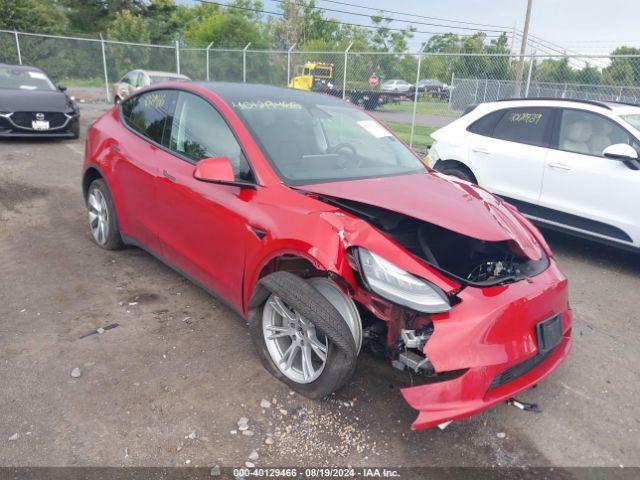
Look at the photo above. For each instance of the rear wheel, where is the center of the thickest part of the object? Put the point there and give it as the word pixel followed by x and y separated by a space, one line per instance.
pixel 103 221
pixel 307 333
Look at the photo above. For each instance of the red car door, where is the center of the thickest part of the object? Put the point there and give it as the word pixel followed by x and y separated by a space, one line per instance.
pixel 136 164
pixel 202 226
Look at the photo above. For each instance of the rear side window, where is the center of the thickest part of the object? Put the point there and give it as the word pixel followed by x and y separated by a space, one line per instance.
pixel 524 125
pixel 147 113
pixel 485 125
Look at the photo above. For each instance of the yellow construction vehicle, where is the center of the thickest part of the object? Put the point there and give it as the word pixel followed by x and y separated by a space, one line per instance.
pixel 319 77
pixel 313 76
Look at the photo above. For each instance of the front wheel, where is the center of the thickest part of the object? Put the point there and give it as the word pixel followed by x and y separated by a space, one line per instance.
pixel 307 336
pixel 457 172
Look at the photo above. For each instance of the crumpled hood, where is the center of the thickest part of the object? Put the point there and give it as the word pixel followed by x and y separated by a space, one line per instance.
pixel 15 100
pixel 431 197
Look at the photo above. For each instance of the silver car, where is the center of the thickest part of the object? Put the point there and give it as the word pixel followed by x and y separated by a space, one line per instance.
pixel 137 79
pixel 396 85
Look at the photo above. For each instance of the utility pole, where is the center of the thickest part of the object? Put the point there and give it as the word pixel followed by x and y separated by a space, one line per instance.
pixel 523 45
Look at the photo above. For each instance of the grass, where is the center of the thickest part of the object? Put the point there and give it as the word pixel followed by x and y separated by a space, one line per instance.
pixel 421 135
pixel 82 82
pixel 431 107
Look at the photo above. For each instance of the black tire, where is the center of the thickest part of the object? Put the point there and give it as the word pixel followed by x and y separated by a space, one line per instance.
pixel 75 129
pixel 113 239
pixel 302 297
pixel 458 172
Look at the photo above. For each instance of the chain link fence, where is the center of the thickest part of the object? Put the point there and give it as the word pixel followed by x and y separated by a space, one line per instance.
pixel 414 92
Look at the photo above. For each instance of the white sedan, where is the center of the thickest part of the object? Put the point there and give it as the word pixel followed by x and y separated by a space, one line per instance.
pixel 396 86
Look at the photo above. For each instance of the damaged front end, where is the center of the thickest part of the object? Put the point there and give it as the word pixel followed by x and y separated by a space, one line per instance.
pixel 458 314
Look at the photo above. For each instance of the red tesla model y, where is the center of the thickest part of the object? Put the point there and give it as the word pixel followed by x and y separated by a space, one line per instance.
pixel 329 235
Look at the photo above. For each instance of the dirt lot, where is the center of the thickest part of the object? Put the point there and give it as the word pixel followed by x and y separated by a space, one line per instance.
pixel 167 385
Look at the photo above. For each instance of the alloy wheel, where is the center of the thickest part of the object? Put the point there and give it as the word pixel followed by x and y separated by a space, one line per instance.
pixel 98 216
pixel 296 348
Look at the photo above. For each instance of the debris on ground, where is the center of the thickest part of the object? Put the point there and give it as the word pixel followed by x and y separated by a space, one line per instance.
pixel 501 435
pixel 215 471
pixel 249 464
pixel 192 436
pixel 13 437
pixel 283 411
pixel 268 441
pixel 100 330
pixel 248 433
pixel 76 372
pixel 265 404
pixel 243 423
pixel 254 456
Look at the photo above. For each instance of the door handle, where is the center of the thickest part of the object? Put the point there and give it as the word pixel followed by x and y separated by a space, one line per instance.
pixel 560 166
pixel 114 147
pixel 481 150
pixel 168 175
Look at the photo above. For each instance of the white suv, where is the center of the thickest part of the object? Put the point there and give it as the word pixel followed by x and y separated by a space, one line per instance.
pixel 566 164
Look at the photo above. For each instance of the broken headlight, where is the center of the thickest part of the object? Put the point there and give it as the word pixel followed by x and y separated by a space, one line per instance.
pixel 398 286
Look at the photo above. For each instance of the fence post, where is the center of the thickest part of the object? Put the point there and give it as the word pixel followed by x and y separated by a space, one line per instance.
pixel 208 48
pixel 104 67
pixel 344 75
pixel 453 77
pixel 289 62
pixel 15 32
pixel 415 95
pixel 244 63
pixel 486 84
pixel 526 88
pixel 177 57
pixel 475 95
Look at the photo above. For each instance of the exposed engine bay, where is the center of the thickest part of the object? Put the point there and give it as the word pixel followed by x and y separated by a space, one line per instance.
pixel 465 259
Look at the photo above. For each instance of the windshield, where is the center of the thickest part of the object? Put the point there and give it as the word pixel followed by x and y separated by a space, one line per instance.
pixel 166 78
pixel 323 142
pixel 14 78
pixel 634 120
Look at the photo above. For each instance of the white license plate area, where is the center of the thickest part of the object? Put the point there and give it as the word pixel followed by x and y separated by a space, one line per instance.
pixel 40 125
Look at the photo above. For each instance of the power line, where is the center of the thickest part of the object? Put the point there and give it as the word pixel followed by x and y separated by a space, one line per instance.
pixel 391 19
pixel 329 20
pixel 415 15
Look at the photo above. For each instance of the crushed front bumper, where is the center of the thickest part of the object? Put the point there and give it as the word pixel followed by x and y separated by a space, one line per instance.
pixel 492 334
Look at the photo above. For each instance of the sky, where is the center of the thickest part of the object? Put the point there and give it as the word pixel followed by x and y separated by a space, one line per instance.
pixel 584 26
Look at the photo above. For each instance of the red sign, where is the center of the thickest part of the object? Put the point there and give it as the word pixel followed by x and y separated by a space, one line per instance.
pixel 373 80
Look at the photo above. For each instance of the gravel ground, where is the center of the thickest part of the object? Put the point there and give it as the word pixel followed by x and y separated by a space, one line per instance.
pixel 168 384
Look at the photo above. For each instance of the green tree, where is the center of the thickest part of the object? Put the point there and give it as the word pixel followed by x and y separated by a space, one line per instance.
pixel 39 16
pixel 227 28
pixel 623 71
pixel 552 70
pixel 92 16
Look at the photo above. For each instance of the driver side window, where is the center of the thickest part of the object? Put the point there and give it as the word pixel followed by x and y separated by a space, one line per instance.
pixel 589 133
pixel 198 131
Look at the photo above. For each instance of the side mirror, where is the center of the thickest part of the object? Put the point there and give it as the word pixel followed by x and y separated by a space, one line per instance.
pixel 62 88
pixel 215 170
pixel 625 153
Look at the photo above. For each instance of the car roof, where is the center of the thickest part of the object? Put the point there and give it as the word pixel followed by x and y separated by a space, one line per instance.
pixel 21 68
pixel 162 74
pixel 551 101
pixel 251 92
